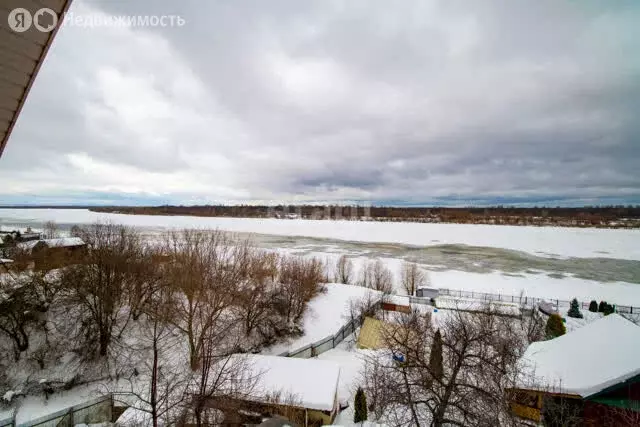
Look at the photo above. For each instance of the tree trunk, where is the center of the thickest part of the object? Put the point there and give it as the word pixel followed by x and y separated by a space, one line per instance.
pixel 154 384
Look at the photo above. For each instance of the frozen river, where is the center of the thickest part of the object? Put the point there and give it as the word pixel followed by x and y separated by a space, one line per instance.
pixel 545 262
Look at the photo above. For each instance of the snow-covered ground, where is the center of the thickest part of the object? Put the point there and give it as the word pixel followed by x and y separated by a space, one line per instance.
pixel 539 286
pixel 325 315
pixel 33 407
pixel 467 304
pixel 543 241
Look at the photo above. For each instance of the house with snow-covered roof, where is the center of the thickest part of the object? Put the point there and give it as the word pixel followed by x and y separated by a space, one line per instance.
pixel 594 371
pixel 305 390
pixel 50 253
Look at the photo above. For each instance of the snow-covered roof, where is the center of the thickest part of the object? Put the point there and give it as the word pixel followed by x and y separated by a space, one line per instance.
pixel 312 383
pixel 586 361
pixel 62 242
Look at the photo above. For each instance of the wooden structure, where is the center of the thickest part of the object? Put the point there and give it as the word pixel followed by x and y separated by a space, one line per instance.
pixel 302 390
pixel 53 253
pixel 593 373
pixel 22 54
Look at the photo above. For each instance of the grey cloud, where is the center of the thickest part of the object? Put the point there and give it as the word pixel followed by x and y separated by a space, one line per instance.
pixel 328 99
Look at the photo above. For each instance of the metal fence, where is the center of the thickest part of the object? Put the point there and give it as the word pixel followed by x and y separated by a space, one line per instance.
pixel 9 422
pixel 327 343
pixel 93 411
pixel 528 301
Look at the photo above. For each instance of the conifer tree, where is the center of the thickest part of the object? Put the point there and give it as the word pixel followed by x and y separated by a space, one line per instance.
pixel 435 357
pixel 574 309
pixel 602 306
pixel 360 407
pixel 555 327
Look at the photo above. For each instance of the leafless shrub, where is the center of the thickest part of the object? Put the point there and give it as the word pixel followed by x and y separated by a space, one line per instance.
pixel 375 275
pixel 412 277
pixel 344 270
pixel 559 411
pixel 364 307
pixel 299 280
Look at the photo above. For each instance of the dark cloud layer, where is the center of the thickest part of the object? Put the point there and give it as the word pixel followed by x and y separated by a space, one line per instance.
pixel 405 102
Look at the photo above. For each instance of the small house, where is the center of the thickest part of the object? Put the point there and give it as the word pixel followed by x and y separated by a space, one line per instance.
pixel 426 292
pixel 308 388
pixel 595 370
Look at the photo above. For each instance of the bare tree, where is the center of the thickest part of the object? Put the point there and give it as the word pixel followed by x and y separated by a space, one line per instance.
pixel 155 378
pixel 377 276
pixel 223 381
pixel 50 230
pixel 412 277
pixel 532 324
pixel 300 280
pixel 256 292
pixel 98 286
pixel 479 357
pixel 18 312
pixel 344 270
pixel 146 270
pixel 202 274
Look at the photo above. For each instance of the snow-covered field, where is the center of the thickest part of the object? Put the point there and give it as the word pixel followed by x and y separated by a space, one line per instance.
pixel 544 241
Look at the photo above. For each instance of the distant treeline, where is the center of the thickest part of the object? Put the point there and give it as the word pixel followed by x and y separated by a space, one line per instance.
pixel 587 216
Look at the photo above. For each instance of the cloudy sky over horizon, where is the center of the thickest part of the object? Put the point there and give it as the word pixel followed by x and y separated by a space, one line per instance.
pixel 412 102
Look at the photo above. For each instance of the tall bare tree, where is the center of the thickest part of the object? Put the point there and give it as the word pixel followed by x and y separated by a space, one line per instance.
pixel 344 270
pixel 154 375
pixel 412 277
pixel 98 285
pixel 203 276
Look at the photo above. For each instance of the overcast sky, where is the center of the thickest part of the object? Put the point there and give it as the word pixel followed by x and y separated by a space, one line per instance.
pixel 415 102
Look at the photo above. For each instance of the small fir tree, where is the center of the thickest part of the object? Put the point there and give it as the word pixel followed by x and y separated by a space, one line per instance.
pixel 574 309
pixel 360 412
pixel 555 327
pixel 435 357
pixel 593 306
pixel 608 309
pixel 602 306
